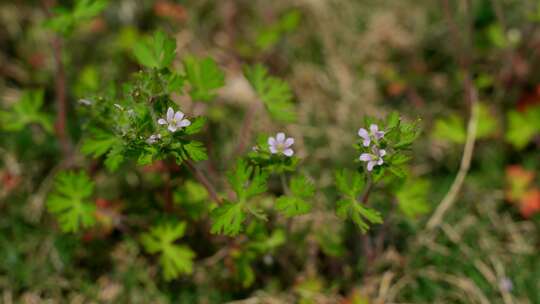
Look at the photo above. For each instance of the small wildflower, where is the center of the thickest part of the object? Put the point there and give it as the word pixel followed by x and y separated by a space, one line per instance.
pixel 154 138
pixel 373 133
pixel 373 159
pixel 119 107
pixel 174 121
pixel 281 145
pixel 506 284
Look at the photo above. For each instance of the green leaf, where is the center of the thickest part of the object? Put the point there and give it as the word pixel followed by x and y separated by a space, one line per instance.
pixel 522 127
pixel 156 52
pixel 25 112
pixel 69 201
pixel 65 20
pixel 292 206
pixel 450 129
pixel 98 143
pixel 412 197
pixel 196 150
pixel 204 76
pixel 228 218
pixel 296 204
pixel 360 215
pixel 174 259
pixel 349 182
pixel 196 125
pixel 114 158
pixel 243 185
pixel 274 93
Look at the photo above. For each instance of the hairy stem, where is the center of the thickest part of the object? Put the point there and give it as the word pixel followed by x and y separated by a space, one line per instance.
pixel 201 178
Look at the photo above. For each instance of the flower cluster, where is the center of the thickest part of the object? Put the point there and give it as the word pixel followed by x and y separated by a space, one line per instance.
pixel 372 138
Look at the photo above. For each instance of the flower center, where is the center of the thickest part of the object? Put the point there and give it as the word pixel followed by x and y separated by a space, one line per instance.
pixel 280 147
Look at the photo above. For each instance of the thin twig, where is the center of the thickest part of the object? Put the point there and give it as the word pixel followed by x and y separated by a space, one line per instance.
pixel 450 198
pixel 60 87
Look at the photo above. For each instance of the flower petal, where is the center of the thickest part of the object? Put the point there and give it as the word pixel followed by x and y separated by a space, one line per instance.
pixel 373 128
pixel 288 152
pixel 366 157
pixel 280 137
pixel 183 123
pixel 363 133
pixel 370 165
pixel 162 121
pixel 273 149
pixel 172 128
pixel 366 142
pixel 271 141
pixel 170 114
pixel 380 161
pixel 178 116
pixel 382 152
pixel 379 134
pixel 289 142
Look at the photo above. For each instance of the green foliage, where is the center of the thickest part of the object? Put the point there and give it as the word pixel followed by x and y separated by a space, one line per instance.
pixel 65 20
pixel 269 35
pixel 204 76
pixel 155 52
pixel 25 112
pixel 69 201
pixel 523 126
pixel 174 259
pixel 351 184
pixel 246 182
pixel 412 197
pixel 274 93
pixel 452 128
pixel 296 203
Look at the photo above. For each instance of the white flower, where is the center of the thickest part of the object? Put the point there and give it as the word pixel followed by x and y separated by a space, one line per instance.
pixel 281 145
pixel 373 159
pixel 174 121
pixel 154 138
pixel 373 133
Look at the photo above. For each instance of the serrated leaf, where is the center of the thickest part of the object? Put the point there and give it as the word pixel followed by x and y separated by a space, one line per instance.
pixel 196 150
pixel 196 125
pixel 156 52
pixel 25 112
pixel 174 259
pixel 349 182
pixel 98 143
pixel 292 206
pixel 295 204
pixel 204 76
pixel 114 158
pixel 274 93
pixel 360 215
pixel 243 185
pixel 228 218
pixel 69 201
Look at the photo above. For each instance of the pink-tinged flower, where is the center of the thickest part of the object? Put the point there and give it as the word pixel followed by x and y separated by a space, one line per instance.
pixel 373 133
pixel 174 121
pixel 281 145
pixel 154 138
pixel 373 159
